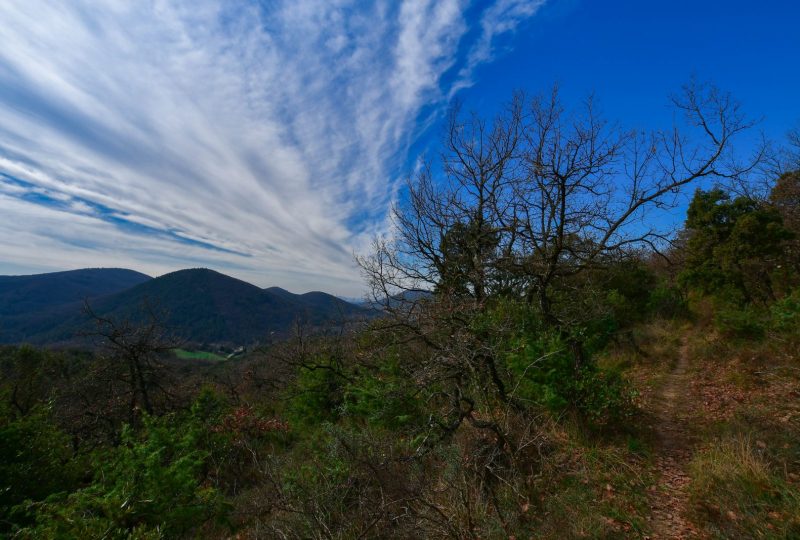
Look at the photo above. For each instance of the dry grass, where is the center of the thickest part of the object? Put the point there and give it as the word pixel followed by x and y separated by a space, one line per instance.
pixel 745 477
pixel 742 413
pixel 599 492
pixel 730 460
pixel 738 494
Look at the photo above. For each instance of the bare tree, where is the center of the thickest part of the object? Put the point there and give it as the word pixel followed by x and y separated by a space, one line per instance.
pixel 530 206
pixel 446 236
pixel 131 354
pixel 793 150
pixel 540 195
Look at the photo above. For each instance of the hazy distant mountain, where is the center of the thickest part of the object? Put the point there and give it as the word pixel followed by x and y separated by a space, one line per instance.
pixel 202 306
pixel 398 300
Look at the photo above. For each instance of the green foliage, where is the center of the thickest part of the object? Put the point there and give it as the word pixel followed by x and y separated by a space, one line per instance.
pixel 467 249
pixel 540 365
pixel 668 302
pixel 629 284
pixel 596 334
pixel 739 252
pixel 603 397
pixel 753 322
pixel 786 314
pixel 315 397
pixel 734 247
pixel 29 373
pixel 743 322
pixel 320 467
pixel 384 399
pixel 149 486
pixel 208 407
pixel 36 461
pixel 544 372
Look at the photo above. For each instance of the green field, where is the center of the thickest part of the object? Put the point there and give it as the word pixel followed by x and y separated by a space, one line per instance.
pixel 197 355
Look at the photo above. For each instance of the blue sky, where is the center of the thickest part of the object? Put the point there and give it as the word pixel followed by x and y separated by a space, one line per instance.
pixel 267 140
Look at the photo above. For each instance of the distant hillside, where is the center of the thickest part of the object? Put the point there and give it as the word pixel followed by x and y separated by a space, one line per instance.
pixel 315 300
pixel 200 305
pixel 34 305
pixel 24 294
pixel 400 300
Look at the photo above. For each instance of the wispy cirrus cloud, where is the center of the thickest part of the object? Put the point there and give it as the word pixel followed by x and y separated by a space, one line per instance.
pixel 500 18
pixel 261 139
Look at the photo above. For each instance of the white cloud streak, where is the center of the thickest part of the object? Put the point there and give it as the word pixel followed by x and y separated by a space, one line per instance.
pixel 267 134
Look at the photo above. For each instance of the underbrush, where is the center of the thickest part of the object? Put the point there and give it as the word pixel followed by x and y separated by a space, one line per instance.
pixel 746 477
pixel 370 484
pixel 594 489
pixel 505 430
pixel 744 323
pixel 739 493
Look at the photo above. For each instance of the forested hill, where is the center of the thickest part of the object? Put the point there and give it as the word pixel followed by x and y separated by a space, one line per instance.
pixel 199 305
pixel 24 294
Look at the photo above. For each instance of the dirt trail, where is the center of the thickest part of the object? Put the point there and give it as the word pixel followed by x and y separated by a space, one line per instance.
pixel 669 499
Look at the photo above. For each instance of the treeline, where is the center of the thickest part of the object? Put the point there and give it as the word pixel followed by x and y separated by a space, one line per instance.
pixel 743 251
pixel 476 407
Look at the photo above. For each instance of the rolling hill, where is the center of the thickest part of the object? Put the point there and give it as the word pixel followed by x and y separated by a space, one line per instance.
pixel 199 305
pixel 25 294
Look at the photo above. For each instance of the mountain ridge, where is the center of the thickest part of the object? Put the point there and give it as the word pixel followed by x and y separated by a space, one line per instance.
pixel 199 304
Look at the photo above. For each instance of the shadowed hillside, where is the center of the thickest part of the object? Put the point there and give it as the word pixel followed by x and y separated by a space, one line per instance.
pixel 199 305
pixel 23 294
pixel 32 305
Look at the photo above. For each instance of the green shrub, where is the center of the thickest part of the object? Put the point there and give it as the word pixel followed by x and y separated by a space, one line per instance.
pixel 315 397
pixel 540 366
pixel 36 461
pixel 149 486
pixel 385 399
pixel 668 302
pixel 785 314
pixel 630 284
pixel 747 322
pixel 544 373
pixel 604 398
